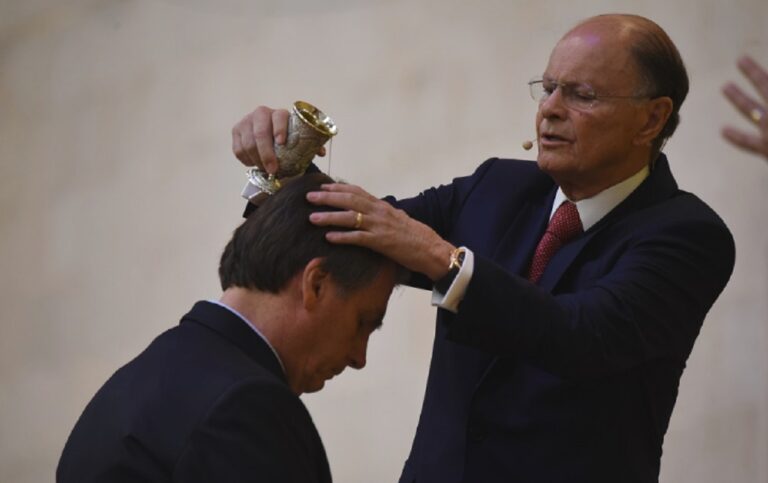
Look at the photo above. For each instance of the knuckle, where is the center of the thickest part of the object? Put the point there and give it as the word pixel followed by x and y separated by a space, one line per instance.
pixel 261 128
pixel 380 210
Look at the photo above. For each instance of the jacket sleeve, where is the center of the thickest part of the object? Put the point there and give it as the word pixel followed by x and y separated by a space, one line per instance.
pixel 255 432
pixel 437 207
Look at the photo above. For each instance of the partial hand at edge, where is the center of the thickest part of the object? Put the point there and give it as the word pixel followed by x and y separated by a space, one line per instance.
pixel 750 108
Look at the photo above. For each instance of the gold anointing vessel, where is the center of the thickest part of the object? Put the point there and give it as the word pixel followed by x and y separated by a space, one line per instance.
pixel 309 128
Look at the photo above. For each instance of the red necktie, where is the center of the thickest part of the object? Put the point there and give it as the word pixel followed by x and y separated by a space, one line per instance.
pixel 564 226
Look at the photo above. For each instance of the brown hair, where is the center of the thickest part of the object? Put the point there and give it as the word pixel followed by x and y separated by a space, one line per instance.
pixel 663 71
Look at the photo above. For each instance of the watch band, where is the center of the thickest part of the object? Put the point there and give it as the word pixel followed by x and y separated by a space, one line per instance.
pixel 454 265
pixel 457 257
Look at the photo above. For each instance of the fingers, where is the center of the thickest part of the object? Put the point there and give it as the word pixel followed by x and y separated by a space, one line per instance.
pixel 347 197
pixel 254 137
pixel 342 201
pixel 360 238
pixel 362 212
pixel 348 188
pixel 749 142
pixel 756 75
pixel 280 126
pixel 357 223
pixel 359 205
pixel 262 138
pixel 239 146
pixel 346 219
pixel 749 107
pixel 744 103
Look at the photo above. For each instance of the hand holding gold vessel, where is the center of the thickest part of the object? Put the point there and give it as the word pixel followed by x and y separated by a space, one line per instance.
pixel 306 130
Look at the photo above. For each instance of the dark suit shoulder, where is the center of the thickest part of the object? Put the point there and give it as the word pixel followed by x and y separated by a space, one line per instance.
pixel 689 206
pixel 523 173
pixel 521 166
pixel 682 214
pixel 500 181
pixel 495 182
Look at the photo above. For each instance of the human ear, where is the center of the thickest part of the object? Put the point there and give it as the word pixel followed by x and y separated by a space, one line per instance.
pixel 314 283
pixel 657 113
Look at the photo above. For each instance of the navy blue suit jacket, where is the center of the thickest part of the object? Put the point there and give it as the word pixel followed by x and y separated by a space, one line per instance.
pixel 573 380
pixel 207 401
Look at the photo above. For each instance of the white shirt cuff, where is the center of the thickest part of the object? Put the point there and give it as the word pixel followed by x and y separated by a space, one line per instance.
pixel 452 297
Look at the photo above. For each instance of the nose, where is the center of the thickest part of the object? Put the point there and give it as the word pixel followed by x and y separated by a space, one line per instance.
pixel 554 105
pixel 357 358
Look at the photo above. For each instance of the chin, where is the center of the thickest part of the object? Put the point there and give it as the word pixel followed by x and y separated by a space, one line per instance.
pixel 548 163
pixel 554 165
pixel 313 387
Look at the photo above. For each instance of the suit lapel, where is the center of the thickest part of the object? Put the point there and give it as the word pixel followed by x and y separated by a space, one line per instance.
pixel 562 260
pixel 516 247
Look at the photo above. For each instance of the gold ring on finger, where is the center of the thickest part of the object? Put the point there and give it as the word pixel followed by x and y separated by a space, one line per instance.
pixel 757 114
pixel 358 220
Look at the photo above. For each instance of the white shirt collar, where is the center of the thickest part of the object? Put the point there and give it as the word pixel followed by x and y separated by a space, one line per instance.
pixel 591 210
pixel 248 322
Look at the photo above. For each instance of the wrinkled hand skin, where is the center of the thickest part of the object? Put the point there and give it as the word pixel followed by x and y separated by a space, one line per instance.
pixel 749 140
pixel 384 229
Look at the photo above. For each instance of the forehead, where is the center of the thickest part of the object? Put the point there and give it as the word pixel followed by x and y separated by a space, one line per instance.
pixel 598 56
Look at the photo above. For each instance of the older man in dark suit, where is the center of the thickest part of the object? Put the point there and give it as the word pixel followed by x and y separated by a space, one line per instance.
pixel 215 399
pixel 570 290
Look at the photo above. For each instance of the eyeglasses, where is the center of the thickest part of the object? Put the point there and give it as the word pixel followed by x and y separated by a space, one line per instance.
pixel 578 96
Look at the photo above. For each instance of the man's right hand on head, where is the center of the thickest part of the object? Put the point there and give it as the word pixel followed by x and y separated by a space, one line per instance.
pixel 255 136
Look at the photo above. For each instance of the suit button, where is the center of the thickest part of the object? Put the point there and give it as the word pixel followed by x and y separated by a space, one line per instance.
pixel 476 433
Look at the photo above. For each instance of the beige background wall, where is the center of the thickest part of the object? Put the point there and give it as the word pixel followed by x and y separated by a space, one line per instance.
pixel 118 191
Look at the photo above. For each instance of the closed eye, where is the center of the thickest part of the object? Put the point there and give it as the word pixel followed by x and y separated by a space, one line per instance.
pixel 583 95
